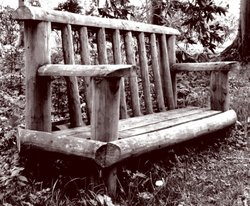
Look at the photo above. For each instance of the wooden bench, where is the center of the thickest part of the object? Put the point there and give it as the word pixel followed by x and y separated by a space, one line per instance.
pixel 134 82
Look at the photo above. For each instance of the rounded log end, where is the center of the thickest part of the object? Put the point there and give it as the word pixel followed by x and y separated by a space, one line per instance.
pixel 107 155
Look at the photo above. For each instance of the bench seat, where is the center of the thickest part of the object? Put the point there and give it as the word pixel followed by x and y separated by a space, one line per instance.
pixel 152 131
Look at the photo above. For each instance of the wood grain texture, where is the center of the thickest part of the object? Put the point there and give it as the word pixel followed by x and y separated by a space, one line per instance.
pixel 156 72
pixel 101 46
pixel 172 60
pixel 135 122
pixel 72 84
pixel 118 60
pixel 147 142
pixel 105 119
pixel 208 66
pixel 40 14
pixel 165 123
pixel 63 144
pixel 219 90
pixel 133 82
pixel 86 60
pixel 166 76
pixel 144 73
pixel 105 70
pixel 38 89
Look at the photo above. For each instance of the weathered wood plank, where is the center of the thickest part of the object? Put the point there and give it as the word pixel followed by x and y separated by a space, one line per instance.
pixel 208 66
pixel 158 117
pixel 144 73
pixel 166 76
pixel 63 144
pixel 85 60
pixel 105 70
pixel 141 144
pixel 166 123
pixel 72 84
pixel 219 90
pixel 133 82
pixel 38 90
pixel 139 121
pixel 156 73
pixel 118 60
pixel 40 14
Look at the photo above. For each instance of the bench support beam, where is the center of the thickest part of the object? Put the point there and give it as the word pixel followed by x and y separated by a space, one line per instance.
pixel 38 92
pixel 219 88
pixel 105 119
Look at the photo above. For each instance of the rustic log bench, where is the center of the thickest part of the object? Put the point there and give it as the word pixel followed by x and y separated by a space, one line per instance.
pixel 134 82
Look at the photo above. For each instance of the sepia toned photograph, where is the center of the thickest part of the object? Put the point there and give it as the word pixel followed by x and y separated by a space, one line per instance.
pixel 125 103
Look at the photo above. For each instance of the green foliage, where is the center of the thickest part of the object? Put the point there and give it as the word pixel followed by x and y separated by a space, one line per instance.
pixel 116 9
pixel 8 27
pixel 196 20
pixel 70 6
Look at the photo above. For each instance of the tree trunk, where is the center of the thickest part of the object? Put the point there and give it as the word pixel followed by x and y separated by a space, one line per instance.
pixel 240 47
pixel 245 30
pixel 156 10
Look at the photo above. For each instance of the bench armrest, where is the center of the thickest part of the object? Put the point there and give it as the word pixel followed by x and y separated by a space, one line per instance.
pixel 107 70
pixel 219 87
pixel 208 66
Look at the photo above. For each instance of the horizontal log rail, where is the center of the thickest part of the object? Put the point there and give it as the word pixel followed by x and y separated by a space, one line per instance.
pixel 140 144
pixel 210 66
pixel 118 70
pixel 134 140
pixel 63 144
pixel 40 14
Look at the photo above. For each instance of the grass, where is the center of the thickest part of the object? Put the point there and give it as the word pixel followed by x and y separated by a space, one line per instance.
pixel 214 170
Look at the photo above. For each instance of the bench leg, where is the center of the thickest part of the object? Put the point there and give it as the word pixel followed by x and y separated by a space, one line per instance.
pixel 105 118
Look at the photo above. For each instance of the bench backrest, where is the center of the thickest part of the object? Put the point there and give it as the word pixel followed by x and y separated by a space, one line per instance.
pixel 150 47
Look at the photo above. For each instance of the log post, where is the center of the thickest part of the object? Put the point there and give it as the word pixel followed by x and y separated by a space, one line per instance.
pixel 38 89
pixel 219 88
pixel 105 118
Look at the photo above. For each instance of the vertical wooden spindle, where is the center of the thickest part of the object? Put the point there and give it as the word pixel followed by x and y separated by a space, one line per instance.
pixel 145 73
pixel 156 72
pixel 172 59
pixel 133 82
pixel 166 80
pixel 101 46
pixel 118 60
pixel 72 85
pixel 85 59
